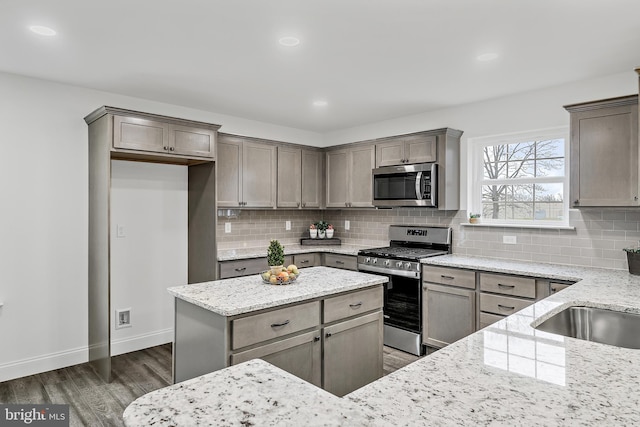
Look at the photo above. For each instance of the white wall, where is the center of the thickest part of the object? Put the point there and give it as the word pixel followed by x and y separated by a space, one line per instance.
pixel 43 217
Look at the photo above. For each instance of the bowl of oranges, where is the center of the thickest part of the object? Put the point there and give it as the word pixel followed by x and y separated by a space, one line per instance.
pixel 285 277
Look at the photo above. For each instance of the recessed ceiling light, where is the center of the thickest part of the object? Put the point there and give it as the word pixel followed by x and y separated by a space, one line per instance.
pixel 43 31
pixel 487 57
pixel 320 103
pixel 289 41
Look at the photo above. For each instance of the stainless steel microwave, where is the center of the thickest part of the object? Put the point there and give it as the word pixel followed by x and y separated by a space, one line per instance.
pixel 408 185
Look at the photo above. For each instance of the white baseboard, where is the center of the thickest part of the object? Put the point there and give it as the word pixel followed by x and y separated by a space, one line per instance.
pixel 139 342
pixel 63 359
pixel 47 362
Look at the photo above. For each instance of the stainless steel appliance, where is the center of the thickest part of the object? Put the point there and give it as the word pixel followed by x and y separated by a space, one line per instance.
pixel 400 261
pixel 407 185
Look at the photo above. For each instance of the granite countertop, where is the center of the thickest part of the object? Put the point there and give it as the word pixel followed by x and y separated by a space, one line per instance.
pixel 230 297
pixel 505 374
pixel 290 249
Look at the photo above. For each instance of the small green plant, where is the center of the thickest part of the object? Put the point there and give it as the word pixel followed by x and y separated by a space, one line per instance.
pixel 322 225
pixel 275 253
pixel 474 215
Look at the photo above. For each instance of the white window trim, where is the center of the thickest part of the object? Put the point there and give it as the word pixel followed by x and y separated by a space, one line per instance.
pixel 476 176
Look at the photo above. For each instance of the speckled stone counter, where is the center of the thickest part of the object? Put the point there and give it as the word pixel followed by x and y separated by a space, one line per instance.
pixel 290 249
pixel 230 297
pixel 509 373
pixel 251 393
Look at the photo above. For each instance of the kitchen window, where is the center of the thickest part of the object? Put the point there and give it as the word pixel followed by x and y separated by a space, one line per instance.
pixel 521 179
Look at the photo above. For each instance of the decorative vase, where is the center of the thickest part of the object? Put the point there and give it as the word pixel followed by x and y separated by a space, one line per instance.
pixel 474 220
pixel 329 233
pixel 276 269
pixel 321 234
pixel 313 233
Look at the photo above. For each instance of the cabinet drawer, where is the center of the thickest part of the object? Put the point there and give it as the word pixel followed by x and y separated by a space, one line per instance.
pixel 273 324
pixel 352 304
pixel 487 319
pixel 243 267
pixel 306 260
pixel 449 276
pixel 341 261
pixel 508 285
pixel 503 306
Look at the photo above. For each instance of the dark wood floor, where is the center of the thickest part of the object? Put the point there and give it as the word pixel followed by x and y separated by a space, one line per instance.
pixel 96 403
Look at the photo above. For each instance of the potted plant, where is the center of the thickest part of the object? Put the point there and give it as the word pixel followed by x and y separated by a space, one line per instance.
pixel 322 228
pixel 633 260
pixel 313 231
pixel 474 218
pixel 329 231
pixel 275 256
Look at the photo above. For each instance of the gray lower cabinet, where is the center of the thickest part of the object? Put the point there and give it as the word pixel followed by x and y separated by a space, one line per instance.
pixel 604 153
pixel 246 267
pixel 345 262
pixel 307 260
pixel 335 342
pixel 353 353
pixel 448 314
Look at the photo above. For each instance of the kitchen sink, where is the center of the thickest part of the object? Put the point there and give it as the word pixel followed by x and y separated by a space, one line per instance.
pixel 596 324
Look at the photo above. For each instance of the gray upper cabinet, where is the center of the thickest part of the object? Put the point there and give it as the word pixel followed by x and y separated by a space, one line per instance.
pixel 604 153
pixel 406 150
pixel 141 134
pixel 246 173
pixel 349 182
pixel 299 178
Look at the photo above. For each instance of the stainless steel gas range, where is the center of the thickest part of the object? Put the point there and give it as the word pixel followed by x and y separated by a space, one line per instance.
pixel 400 261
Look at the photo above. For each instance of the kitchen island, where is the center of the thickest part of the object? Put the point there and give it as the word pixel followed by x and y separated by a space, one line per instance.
pixel 506 374
pixel 326 323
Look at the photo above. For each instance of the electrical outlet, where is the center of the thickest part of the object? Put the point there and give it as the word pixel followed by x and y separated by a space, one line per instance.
pixel 287 225
pixel 347 224
pixel 120 231
pixel 227 227
pixel 123 318
pixel 509 240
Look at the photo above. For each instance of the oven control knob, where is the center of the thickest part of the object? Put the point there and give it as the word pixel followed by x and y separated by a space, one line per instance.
pixel 374 261
pixel 387 263
pixel 367 260
pixel 399 264
pixel 407 265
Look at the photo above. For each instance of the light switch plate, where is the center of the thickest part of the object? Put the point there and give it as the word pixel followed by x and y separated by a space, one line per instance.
pixel 121 231
pixel 347 224
pixel 287 225
pixel 509 240
pixel 227 227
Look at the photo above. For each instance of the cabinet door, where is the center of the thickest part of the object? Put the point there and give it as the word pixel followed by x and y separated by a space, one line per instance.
pixel 390 153
pixel 420 149
pixel 311 179
pixel 448 314
pixel 604 157
pixel 337 178
pixel 362 161
pixel 192 142
pixel 140 134
pixel 258 175
pixel 345 262
pixel 300 356
pixel 289 177
pixel 352 353
pixel 229 172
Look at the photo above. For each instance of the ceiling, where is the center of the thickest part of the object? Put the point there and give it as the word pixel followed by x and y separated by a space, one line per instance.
pixel 370 60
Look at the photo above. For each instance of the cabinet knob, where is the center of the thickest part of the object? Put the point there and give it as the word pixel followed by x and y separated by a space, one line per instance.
pixel 635 198
pixel 346 204
pixel 304 204
pixel 298 204
pixel 316 339
pixel 328 334
pixel 166 148
pixel 171 148
pixel 576 202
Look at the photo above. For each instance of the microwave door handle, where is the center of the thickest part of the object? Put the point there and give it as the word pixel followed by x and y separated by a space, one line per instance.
pixel 419 186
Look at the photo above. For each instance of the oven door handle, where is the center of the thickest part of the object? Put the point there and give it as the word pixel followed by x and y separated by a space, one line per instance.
pixel 402 273
pixel 419 186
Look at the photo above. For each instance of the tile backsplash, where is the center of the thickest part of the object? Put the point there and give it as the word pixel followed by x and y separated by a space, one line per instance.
pixel 599 236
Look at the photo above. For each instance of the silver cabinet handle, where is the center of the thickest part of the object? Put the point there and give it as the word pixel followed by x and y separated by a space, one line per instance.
pixel 504 307
pixel 340 262
pixel 356 305
pixel 304 261
pixel 506 286
pixel 447 277
pixel 241 269
pixel 276 325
